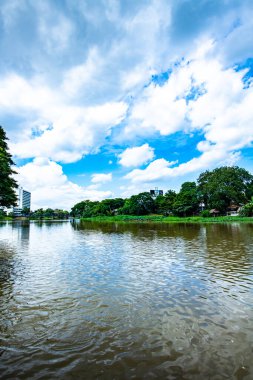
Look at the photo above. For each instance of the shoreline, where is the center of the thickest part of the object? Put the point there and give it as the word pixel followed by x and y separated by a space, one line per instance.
pixel 167 219
pixel 144 219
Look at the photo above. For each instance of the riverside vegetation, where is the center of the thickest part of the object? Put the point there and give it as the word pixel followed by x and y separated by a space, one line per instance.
pixel 215 193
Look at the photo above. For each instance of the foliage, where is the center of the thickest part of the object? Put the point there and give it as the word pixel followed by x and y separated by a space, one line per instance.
pixel 2 214
pixel 108 206
pixel 168 219
pixel 225 185
pixel 164 203
pixel 49 214
pixel 186 202
pixel 26 211
pixel 8 185
pixel 247 210
pixel 205 214
pixel 217 189
pixel 141 204
pixel 83 209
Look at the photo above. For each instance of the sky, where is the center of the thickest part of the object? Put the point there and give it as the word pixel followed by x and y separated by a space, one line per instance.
pixel 103 99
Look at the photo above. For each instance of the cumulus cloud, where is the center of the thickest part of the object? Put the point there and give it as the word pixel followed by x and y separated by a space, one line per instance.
pixel 161 169
pixel 51 188
pixel 81 77
pixel 56 129
pixel 136 156
pixel 215 102
pixel 101 178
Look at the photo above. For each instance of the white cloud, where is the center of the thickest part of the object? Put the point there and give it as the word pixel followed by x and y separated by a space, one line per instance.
pixel 160 108
pixel 136 156
pixel 75 72
pixel 83 76
pixel 50 187
pixel 157 169
pixel 72 131
pixel 161 169
pixel 101 178
pixel 221 109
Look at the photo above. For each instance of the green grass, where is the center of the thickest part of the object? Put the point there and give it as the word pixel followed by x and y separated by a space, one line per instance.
pixel 168 219
pixel 5 218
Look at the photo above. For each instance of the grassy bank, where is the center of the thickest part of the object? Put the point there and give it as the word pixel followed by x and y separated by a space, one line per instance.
pixel 168 219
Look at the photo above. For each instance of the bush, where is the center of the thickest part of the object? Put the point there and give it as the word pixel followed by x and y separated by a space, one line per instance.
pixel 247 210
pixel 205 214
pixel 2 214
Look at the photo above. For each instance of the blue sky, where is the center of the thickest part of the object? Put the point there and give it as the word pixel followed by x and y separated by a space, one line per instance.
pixel 110 98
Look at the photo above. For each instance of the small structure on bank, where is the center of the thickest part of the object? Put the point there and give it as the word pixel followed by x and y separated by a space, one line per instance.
pixel 233 210
pixel 214 212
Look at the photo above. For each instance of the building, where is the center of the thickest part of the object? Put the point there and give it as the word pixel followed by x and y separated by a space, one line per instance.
pixel 24 201
pixel 24 198
pixel 154 193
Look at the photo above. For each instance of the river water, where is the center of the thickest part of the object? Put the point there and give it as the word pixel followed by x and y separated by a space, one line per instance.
pixel 115 301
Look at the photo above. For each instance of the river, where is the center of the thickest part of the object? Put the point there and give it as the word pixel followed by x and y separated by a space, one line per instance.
pixel 126 301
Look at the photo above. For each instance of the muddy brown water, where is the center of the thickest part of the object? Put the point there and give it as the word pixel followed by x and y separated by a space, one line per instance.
pixel 134 301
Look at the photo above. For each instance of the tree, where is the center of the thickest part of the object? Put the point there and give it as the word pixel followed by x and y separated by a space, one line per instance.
pixel 141 204
pixel 108 207
pixel 186 202
pixel 225 185
pixel 8 184
pixel 2 213
pixel 247 210
pixel 26 211
pixel 48 213
pixel 84 209
pixel 164 203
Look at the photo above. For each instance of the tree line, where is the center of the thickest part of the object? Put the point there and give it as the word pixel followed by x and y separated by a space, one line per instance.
pixel 216 190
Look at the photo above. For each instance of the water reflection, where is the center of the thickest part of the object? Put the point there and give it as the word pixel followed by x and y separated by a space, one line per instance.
pixel 149 230
pixel 126 301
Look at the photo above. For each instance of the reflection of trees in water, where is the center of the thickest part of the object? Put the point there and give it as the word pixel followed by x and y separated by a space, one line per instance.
pixel 224 246
pixel 148 230
pixel 49 223
pixel 6 265
pixel 229 247
pixel 9 253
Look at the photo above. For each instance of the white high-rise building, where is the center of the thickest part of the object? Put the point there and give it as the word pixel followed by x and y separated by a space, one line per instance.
pixel 24 201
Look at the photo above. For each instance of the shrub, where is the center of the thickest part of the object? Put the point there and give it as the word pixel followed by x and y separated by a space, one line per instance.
pixel 247 210
pixel 205 213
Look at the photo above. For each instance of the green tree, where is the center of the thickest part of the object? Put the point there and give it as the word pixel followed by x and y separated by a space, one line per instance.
pixel 225 185
pixel 164 203
pixel 59 214
pixel 38 214
pixel 108 207
pixel 2 213
pixel 141 204
pixel 26 211
pixel 84 209
pixel 8 184
pixel 48 213
pixel 186 202
pixel 247 210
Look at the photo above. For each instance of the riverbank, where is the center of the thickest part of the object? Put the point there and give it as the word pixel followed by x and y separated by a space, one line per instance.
pixel 25 219
pixel 168 219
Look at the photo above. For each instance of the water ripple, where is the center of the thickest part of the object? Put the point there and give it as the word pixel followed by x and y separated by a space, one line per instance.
pixel 126 301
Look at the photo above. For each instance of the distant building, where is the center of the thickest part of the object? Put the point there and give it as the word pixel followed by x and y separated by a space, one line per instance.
pixel 154 193
pixel 24 201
